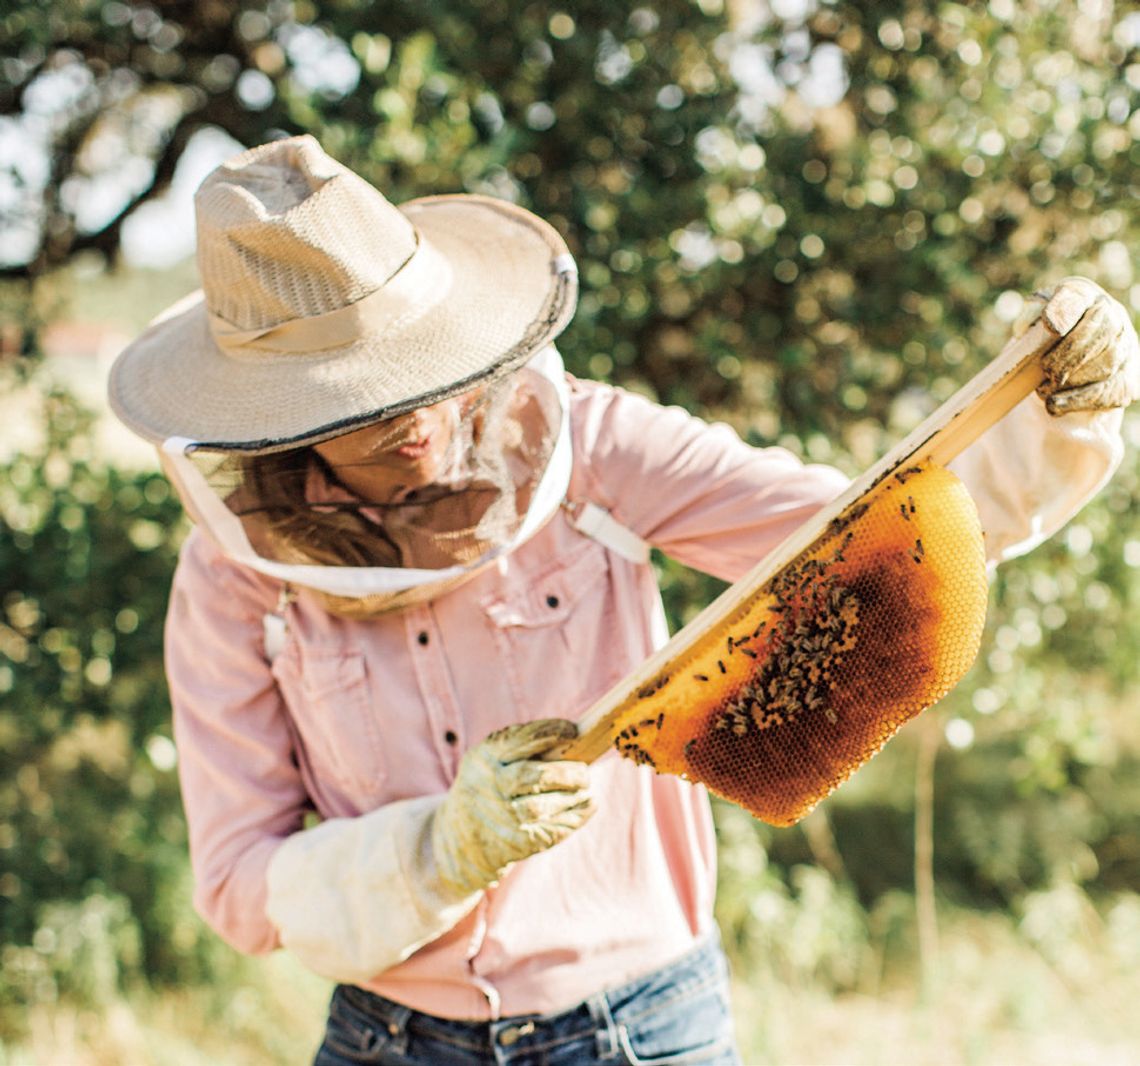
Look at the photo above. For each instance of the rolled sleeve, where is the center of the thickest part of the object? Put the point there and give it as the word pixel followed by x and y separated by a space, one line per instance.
pixel 241 787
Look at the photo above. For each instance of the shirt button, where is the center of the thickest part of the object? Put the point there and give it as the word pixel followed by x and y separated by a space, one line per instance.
pixel 551 601
pixel 423 637
pixel 450 736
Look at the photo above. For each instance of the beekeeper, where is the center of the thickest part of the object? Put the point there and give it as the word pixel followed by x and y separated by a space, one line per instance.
pixel 420 551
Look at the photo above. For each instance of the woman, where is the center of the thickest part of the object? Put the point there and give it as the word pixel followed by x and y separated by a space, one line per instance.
pixel 420 553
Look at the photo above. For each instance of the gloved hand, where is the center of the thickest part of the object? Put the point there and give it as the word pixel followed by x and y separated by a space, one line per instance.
pixel 1096 364
pixel 505 805
pixel 352 896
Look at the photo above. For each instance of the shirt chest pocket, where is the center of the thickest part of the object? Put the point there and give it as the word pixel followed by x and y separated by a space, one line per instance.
pixel 331 703
pixel 553 629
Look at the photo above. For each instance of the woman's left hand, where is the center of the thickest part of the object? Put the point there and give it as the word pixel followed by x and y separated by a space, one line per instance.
pixel 1095 366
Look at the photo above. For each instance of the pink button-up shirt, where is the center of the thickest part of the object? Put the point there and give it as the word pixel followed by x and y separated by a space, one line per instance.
pixel 352 715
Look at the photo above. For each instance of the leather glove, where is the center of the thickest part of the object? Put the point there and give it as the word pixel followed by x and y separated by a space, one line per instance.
pixel 1096 364
pixel 505 805
pixel 354 896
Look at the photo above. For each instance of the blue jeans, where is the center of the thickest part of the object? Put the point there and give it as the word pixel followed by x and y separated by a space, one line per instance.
pixel 676 1016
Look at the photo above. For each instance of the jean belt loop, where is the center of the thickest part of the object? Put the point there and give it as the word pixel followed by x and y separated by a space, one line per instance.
pixel 606 1030
pixel 397 1025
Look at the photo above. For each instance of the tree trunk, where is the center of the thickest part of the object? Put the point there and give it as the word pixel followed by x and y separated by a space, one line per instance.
pixel 929 737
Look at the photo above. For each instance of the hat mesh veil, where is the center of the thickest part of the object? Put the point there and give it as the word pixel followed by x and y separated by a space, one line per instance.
pixel 294 509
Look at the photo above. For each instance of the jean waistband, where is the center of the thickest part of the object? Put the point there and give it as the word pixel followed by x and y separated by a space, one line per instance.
pixel 702 964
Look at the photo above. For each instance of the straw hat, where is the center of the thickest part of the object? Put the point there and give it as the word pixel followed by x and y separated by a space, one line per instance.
pixel 324 307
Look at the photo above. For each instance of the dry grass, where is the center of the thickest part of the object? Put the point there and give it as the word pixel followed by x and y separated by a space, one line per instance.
pixel 996 1001
pixel 277 1017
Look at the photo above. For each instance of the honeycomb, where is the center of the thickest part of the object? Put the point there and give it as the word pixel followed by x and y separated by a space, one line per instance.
pixel 783 699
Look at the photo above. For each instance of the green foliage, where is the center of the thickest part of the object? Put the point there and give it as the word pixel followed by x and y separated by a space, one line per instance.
pixel 797 922
pixel 816 262
pixel 89 820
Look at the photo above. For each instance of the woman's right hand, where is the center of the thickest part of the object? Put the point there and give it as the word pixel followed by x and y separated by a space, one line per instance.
pixel 505 805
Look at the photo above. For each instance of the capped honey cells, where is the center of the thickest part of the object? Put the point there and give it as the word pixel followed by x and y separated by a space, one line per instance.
pixel 782 701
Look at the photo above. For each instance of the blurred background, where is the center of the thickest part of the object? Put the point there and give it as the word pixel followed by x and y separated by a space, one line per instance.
pixel 813 220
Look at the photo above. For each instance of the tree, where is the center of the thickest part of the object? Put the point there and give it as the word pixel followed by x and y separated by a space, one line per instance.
pixel 813 221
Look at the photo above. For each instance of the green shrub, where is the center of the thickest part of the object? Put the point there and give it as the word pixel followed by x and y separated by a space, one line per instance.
pixel 91 835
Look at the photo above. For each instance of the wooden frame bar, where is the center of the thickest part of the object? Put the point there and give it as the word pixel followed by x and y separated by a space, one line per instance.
pixel 981 402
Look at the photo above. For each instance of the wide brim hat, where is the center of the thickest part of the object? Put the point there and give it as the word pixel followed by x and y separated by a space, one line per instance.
pixel 324 307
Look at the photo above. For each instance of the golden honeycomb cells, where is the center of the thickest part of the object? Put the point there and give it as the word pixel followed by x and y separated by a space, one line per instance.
pixel 783 699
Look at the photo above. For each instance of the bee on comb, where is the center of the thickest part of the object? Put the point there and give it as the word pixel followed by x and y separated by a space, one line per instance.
pixel 804 680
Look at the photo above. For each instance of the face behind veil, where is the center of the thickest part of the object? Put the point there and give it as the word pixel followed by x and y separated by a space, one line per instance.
pixel 298 513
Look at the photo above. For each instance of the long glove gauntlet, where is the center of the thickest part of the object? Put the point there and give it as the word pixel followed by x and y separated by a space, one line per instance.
pixel 354 896
pixel 1030 473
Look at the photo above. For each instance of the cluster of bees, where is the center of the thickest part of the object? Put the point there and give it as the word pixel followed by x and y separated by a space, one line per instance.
pixel 812 634
pixel 814 672
pixel 627 740
pixel 797 651
pixel 813 627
